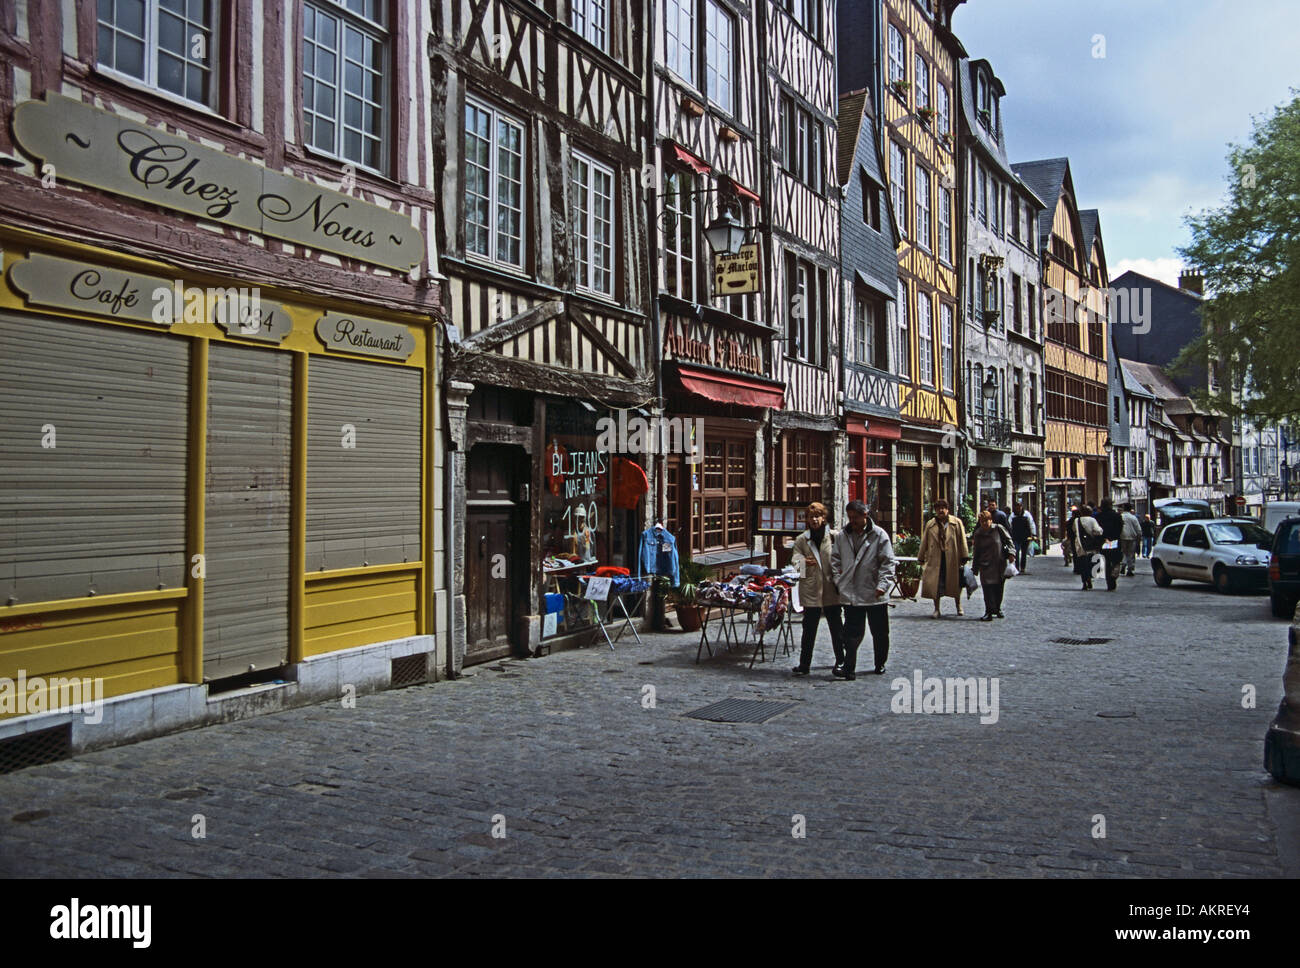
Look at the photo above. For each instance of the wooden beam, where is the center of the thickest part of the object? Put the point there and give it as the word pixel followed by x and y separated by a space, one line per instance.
pixel 588 328
pixel 510 328
pixel 497 370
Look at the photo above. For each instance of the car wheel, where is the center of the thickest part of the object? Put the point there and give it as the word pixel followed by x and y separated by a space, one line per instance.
pixel 1222 580
pixel 1161 576
pixel 1282 607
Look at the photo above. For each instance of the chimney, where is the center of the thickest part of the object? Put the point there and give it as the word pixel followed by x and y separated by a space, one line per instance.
pixel 1192 281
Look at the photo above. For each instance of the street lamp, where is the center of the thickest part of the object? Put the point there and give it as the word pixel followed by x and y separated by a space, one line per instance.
pixel 990 388
pixel 726 234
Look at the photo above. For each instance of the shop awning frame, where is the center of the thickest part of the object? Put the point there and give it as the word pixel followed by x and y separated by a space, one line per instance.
pixel 720 386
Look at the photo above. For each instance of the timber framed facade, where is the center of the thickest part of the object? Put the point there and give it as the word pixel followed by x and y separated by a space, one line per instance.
pixel 918 55
pixel 1075 283
pixel 216 260
pixel 538 119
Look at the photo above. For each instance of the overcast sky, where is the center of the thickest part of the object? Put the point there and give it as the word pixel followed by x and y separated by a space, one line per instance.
pixel 1147 126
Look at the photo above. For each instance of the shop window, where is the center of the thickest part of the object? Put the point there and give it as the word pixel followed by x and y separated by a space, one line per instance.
pixel 802 468
pixel 344 62
pixel 494 185
pixel 722 507
pixel 171 45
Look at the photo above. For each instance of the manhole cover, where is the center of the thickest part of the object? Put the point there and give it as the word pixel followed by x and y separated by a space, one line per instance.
pixel 741 710
pixel 1081 641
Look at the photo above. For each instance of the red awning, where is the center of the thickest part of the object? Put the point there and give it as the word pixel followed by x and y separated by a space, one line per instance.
pixel 726 388
pixel 744 192
pixel 684 156
pixel 880 429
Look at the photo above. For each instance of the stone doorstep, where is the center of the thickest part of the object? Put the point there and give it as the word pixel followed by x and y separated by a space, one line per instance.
pixel 168 709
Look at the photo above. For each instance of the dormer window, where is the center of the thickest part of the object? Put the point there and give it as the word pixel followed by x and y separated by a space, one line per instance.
pixel 984 102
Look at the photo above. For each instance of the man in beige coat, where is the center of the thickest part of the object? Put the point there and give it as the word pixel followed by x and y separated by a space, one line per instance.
pixel 943 551
pixel 811 554
pixel 862 566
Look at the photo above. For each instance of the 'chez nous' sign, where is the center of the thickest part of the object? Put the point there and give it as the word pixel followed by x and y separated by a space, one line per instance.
pixel 104 150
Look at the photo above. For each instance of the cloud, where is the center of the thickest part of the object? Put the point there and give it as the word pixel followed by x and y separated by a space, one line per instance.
pixel 1166 270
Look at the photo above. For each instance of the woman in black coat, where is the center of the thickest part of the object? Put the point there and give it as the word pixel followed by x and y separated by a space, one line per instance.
pixel 991 546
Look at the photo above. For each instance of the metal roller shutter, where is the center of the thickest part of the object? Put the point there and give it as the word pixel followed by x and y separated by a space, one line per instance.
pixel 103 510
pixel 363 502
pixel 246 590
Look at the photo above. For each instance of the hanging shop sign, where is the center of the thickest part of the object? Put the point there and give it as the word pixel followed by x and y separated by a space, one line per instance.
pixel 104 150
pixel 366 337
pixel 735 274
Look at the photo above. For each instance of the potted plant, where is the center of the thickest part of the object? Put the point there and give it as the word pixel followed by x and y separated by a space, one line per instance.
pixel 909 572
pixel 901 87
pixel 685 595
pixel 926 115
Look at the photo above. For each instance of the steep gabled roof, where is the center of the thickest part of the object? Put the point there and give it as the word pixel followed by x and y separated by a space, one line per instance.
pixel 851 108
pixel 1045 179
pixel 1154 379
pixel 993 144
pixel 1132 385
pixel 1088 221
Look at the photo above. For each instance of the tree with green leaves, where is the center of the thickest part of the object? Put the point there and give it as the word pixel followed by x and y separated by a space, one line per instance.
pixel 1249 251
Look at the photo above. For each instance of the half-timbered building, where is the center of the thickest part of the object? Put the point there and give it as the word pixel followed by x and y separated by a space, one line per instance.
pixel 218 355
pixel 1001 336
pixel 913 78
pixel 715 335
pixel 869 269
pixel 798 41
pixel 537 125
pixel 1075 309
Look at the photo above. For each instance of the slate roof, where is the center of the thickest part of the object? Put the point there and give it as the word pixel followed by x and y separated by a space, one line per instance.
pixel 1089 219
pixel 1045 178
pixel 1154 379
pixel 848 123
pixel 1132 385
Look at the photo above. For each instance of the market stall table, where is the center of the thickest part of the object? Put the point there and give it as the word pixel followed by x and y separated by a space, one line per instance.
pixel 613 589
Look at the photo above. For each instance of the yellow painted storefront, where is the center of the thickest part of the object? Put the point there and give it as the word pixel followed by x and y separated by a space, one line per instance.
pixel 141 640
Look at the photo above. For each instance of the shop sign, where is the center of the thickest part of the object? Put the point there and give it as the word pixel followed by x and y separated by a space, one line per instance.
pixel 737 273
pixel 259 319
pixel 84 144
pixel 366 337
pixel 96 290
pixel 722 351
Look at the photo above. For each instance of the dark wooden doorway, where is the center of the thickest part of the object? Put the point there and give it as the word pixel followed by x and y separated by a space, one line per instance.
pixel 496 550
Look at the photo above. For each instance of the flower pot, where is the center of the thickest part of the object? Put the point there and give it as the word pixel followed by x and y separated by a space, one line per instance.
pixel 909 586
pixel 689 616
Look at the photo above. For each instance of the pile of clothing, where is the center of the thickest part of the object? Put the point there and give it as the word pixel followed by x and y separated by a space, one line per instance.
pixel 768 595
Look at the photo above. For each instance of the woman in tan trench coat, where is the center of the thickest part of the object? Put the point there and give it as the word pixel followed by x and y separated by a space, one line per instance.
pixel 943 551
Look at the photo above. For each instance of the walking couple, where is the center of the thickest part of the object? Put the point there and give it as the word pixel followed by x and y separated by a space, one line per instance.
pixel 849 570
pixel 944 549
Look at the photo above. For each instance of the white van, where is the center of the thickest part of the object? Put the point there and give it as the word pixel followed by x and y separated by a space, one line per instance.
pixel 1275 511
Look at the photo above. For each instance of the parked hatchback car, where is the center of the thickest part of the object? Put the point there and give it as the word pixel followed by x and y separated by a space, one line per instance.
pixel 1230 553
pixel 1284 568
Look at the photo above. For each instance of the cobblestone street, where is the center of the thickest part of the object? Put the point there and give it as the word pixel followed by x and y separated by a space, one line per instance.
pixel 1147 730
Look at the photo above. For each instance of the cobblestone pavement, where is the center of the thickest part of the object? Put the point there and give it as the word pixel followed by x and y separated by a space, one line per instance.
pixel 1147 730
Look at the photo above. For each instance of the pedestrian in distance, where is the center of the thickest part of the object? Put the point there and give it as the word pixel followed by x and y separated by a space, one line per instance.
pixel 811 555
pixel 1112 528
pixel 1086 538
pixel 1067 543
pixel 1023 530
pixel 993 548
pixel 1129 538
pixel 1148 535
pixel 999 516
pixel 944 550
pixel 862 568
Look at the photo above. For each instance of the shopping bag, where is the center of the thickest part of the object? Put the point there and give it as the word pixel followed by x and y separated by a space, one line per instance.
pixel 1011 570
pixel 968 579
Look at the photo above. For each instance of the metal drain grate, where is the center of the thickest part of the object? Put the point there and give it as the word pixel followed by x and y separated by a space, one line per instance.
pixel 741 710
pixel 410 670
pixel 32 749
pixel 1081 641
